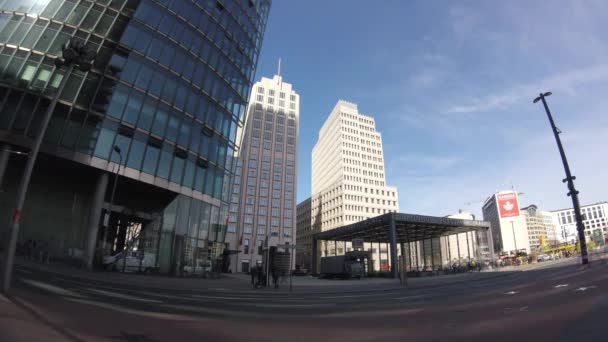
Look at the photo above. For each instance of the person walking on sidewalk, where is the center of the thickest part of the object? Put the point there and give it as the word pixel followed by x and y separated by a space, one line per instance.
pixel 254 274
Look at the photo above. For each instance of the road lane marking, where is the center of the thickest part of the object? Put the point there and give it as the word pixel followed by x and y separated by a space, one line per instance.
pixel 290 305
pixel 21 270
pixel 560 285
pixel 356 296
pixel 220 297
pixel 584 288
pixel 511 310
pixel 52 288
pixel 511 292
pixel 159 315
pixel 122 296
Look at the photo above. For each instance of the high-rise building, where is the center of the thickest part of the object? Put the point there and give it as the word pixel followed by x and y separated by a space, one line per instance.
pixel 158 113
pixel 263 205
pixel 508 225
pixel 304 233
pixel 541 230
pixel 348 175
pixel 594 220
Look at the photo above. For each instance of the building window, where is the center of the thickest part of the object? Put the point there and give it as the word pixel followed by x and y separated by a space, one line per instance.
pixel 231 227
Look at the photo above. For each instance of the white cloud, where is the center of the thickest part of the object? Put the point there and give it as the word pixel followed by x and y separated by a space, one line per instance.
pixel 566 82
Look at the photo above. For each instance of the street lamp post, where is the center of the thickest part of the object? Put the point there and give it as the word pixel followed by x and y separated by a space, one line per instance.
pixel 569 179
pixel 514 240
pixel 74 54
pixel 106 223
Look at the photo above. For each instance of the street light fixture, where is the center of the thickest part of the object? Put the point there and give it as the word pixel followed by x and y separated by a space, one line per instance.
pixel 75 55
pixel 116 149
pixel 569 179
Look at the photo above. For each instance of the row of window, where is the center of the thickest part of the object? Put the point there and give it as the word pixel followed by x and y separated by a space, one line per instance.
pixel 271 93
pixel 214 77
pixel 195 24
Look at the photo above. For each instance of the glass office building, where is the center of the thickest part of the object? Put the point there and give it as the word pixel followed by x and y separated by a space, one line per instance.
pixel 169 87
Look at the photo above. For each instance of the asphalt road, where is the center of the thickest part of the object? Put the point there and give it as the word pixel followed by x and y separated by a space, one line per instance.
pixel 549 302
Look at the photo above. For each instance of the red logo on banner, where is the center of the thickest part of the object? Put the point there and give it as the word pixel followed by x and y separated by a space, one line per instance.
pixel 508 205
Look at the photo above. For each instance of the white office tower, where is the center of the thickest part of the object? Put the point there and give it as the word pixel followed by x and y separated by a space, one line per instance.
pixel 263 201
pixel 348 176
pixel 508 225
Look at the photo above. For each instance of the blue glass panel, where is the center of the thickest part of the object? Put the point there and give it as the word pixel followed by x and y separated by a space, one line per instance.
pixel 177 170
pixel 146 116
pixel 160 121
pixel 123 142
pixel 104 143
pixel 184 132
pixel 172 128
pixel 199 179
pixel 189 174
pixel 130 71
pixel 136 154
pixel 164 164
pixel 133 106
pixel 119 99
pixel 151 159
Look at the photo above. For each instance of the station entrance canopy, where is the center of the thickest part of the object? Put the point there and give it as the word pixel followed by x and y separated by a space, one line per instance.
pixel 397 228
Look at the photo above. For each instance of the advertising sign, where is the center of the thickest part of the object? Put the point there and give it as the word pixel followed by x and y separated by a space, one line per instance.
pixel 507 204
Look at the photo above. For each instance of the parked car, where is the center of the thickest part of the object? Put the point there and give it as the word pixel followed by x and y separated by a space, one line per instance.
pixel 136 261
pixel 203 268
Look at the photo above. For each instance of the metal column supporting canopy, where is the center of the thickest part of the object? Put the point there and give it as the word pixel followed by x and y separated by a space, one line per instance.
pixel 396 228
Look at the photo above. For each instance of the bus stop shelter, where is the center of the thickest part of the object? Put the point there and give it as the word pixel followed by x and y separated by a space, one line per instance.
pixel 397 228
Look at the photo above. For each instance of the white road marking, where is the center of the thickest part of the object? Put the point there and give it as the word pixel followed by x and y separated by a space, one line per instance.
pixel 511 310
pixel 122 296
pixel 158 315
pixel 292 305
pixel 511 292
pixel 21 270
pixel 584 288
pixel 355 296
pixel 220 297
pixel 560 285
pixel 52 288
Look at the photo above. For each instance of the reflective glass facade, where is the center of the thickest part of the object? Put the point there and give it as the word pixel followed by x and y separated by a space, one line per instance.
pixel 169 86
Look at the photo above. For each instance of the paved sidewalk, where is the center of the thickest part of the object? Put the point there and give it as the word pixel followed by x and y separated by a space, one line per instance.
pixel 240 283
pixel 17 323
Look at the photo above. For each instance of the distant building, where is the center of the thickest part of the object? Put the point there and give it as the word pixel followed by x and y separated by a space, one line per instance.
pixel 540 227
pixel 458 248
pixel 262 209
pixel 304 234
pixel 509 232
pixel 594 220
pixel 348 177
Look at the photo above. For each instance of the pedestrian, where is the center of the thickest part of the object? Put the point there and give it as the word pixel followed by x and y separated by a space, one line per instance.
pixel 254 273
pixel 260 276
pixel 275 277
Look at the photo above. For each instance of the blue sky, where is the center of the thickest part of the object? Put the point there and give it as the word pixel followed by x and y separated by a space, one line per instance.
pixel 451 84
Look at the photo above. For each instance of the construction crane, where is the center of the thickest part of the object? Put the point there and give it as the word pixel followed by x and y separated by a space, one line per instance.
pixel 483 201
